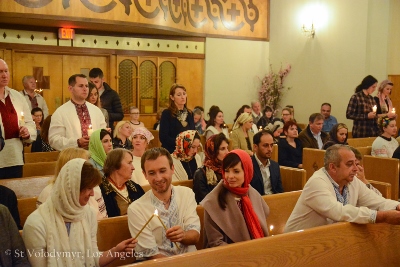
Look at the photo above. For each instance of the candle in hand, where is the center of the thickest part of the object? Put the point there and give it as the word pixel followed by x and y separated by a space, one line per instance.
pixel 22 119
pixel 137 235
pixel 90 130
pixel 260 129
pixel 374 109
pixel 393 110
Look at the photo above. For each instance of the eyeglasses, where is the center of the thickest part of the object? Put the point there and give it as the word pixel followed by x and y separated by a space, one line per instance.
pixel 136 113
pixel 285 114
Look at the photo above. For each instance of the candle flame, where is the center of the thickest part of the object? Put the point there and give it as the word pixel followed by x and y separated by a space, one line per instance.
pixel 22 113
pixel 90 126
pixel 156 212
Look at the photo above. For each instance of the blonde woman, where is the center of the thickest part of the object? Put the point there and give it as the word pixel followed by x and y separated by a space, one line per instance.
pixel 122 133
pixel 242 136
pixel 382 99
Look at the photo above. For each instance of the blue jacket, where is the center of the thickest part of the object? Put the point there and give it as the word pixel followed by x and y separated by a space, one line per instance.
pixel 275 176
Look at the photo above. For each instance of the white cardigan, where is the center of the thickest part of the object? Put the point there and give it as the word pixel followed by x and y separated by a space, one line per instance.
pixel 180 173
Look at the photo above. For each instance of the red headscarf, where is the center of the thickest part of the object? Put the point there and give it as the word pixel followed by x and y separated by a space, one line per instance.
pixel 210 159
pixel 253 224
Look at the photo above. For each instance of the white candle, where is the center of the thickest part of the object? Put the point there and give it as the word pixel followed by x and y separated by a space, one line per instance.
pixel 393 110
pixel 90 130
pixel 260 129
pixel 374 109
pixel 22 119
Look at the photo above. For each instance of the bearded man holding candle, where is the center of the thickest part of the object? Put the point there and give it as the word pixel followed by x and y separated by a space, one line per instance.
pixel 173 226
pixel 72 123
pixel 16 127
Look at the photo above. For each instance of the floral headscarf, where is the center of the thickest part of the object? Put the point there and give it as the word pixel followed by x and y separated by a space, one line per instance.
pixel 143 131
pixel 212 163
pixel 183 142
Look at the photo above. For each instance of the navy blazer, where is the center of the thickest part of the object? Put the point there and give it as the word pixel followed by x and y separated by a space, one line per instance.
pixel 275 176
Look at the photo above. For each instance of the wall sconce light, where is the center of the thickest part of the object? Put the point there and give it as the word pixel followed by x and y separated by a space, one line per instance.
pixel 308 31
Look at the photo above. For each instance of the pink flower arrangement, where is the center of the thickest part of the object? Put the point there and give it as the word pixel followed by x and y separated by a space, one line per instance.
pixel 272 87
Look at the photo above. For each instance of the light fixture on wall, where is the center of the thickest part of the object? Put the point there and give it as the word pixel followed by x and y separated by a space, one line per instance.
pixel 308 31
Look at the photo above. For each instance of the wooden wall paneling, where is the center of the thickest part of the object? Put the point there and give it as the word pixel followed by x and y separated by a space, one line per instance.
pixel 190 73
pixel 145 103
pixel 118 60
pixel 395 96
pixel 2 53
pixel 113 72
pixel 23 64
pixel 72 64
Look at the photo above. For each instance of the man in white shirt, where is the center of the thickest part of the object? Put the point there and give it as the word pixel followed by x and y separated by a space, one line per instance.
pixel 333 194
pixel 256 111
pixel 176 207
pixel 33 99
pixel 73 122
pixel 312 136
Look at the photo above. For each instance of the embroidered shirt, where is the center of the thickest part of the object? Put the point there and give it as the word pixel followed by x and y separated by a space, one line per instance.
pixel 84 117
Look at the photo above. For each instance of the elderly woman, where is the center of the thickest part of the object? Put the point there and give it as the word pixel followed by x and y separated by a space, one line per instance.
pixel 135 114
pixel 290 149
pixel 337 135
pixel 215 124
pixel 64 224
pixel 185 157
pixel 176 118
pixel 384 145
pixel 234 211
pixel 117 188
pixel 122 133
pixel 382 99
pixel 242 137
pixel 141 138
pixel 207 177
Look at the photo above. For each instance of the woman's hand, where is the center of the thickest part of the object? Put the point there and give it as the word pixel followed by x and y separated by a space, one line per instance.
pixel 127 245
pixel 371 115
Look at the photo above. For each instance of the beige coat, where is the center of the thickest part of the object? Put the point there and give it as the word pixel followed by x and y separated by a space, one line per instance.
pixel 239 140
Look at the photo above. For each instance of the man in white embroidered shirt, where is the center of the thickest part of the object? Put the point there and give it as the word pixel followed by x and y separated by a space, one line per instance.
pixel 333 194
pixel 312 136
pixel 176 207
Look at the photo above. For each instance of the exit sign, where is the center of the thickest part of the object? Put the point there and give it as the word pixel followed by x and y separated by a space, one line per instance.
pixel 66 34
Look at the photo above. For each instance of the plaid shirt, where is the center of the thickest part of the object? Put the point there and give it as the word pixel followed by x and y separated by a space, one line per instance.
pixel 357 110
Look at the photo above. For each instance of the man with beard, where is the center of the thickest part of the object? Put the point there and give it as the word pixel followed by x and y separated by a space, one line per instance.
pixel 176 208
pixel 266 178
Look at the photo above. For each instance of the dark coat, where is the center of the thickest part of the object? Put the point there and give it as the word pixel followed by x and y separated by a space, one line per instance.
pixel 111 102
pixel 9 199
pixel 275 176
pixel 288 155
pixel 307 139
pixel 200 186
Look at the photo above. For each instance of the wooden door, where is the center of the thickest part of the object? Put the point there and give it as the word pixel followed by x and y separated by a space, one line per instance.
pixel 395 96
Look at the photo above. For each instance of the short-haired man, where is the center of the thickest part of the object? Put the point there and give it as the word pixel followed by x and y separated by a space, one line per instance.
pixel 108 97
pixel 267 177
pixel 329 120
pixel 176 208
pixel 333 194
pixel 312 136
pixel 16 124
pixel 33 99
pixel 70 123
pixel 256 111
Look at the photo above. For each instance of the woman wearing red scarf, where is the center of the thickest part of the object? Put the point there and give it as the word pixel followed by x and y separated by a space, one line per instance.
pixel 234 211
pixel 208 176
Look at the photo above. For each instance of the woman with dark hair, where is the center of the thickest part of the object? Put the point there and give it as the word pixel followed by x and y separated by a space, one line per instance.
pixel 65 224
pixel 44 134
pixel 94 98
pixel 267 118
pixel 176 118
pixel 290 149
pixel 383 102
pixel 234 211
pixel 185 157
pixel 207 177
pixel 361 109
pixel 216 124
pixel 117 188
pixel 37 117
pixel 100 144
pixel 337 135
pixel 385 145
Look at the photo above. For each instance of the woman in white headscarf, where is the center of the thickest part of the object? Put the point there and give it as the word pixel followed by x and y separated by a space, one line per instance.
pixel 141 138
pixel 242 136
pixel 62 231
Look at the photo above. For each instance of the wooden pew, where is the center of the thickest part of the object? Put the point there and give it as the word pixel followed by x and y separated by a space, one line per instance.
pixel 187 183
pixel 293 179
pixel 25 207
pixel 39 169
pixel 41 157
pixel 361 142
pixel 366 150
pixel 112 231
pixel 274 155
pixel 383 170
pixel 384 188
pixel 156 141
pixel 313 160
pixel 27 187
pixel 339 244
pixel 280 208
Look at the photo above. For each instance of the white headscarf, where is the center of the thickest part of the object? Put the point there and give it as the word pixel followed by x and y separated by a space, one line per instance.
pixel 63 206
pixel 244 117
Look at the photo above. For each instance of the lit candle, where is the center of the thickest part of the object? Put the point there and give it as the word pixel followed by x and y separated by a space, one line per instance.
pixel 260 129
pixel 374 109
pixel 90 130
pixel 22 119
pixel 145 225
pixel 393 110
pixel 165 227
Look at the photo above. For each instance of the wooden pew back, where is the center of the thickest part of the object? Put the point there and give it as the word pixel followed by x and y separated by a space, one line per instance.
pixel 383 170
pixel 366 150
pixel 27 187
pixel 39 169
pixel 41 156
pixel 384 188
pixel 156 141
pixel 339 244
pixel 293 179
pixel 313 160
pixel 25 207
pixel 274 155
pixel 361 142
